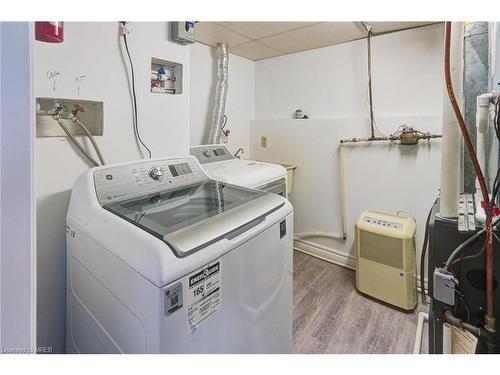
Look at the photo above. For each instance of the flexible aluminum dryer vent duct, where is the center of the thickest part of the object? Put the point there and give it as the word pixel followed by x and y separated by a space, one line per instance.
pixel 220 94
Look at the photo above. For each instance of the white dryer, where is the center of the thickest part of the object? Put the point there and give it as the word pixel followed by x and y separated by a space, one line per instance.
pixel 221 165
pixel 162 259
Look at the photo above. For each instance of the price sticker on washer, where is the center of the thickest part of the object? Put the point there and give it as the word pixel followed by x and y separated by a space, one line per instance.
pixel 204 294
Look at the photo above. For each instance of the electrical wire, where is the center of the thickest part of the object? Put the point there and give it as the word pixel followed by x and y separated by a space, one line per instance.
pixel 465 257
pixel 466 243
pixel 375 126
pixel 368 41
pixel 461 297
pixel 373 123
pixel 424 250
pixel 409 215
pixel 496 120
pixel 496 125
pixel 223 124
pixel 450 264
pixel 134 97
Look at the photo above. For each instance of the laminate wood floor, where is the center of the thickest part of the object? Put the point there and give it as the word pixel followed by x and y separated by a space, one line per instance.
pixel 330 316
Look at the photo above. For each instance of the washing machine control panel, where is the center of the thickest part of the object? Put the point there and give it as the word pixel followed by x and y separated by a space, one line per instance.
pixel 156 173
pixel 211 153
pixel 146 177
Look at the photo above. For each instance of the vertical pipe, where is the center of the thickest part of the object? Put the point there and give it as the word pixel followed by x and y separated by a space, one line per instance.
pixel 422 318
pixel 342 180
pixel 220 94
pixel 369 42
pixel 450 149
pixel 483 135
pixel 447 341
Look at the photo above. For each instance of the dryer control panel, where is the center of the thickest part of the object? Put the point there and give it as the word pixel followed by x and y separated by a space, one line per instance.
pixel 211 153
pixel 146 177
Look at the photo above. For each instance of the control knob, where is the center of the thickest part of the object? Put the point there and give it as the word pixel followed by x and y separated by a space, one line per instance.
pixel 206 153
pixel 156 173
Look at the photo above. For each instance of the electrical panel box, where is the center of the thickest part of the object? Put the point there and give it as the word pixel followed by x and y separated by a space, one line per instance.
pixel 90 113
pixel 166 77
pixel 182 32
pixel 444 286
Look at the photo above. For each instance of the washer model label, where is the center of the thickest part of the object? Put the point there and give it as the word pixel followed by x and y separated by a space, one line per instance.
pixel 173 299
pixel 203 294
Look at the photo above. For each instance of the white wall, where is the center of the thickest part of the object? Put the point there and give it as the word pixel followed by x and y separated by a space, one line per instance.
pixel 17 239
pixel 93 50
pixel 240 102
pixel 331 84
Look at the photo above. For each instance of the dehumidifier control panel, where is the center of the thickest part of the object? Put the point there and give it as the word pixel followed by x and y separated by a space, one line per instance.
pixel 381 222
pixel 147 177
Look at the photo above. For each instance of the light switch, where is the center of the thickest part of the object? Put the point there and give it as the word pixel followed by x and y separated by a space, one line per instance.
pixel 263 141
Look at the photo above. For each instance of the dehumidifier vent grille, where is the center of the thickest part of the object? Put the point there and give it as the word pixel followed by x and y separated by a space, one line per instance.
pixel 381 249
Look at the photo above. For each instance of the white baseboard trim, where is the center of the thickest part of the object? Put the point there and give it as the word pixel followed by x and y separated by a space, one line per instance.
pixel 326 253
pixel 334 256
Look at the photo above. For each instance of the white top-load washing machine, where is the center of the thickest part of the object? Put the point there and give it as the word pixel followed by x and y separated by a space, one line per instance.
pixel 162 259
pixel 221 165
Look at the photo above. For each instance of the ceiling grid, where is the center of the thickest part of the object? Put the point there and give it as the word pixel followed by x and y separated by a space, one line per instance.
pixel 262 40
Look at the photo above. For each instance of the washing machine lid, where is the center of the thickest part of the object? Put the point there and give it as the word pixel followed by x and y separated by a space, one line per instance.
pixel 190 218
pixel 249 173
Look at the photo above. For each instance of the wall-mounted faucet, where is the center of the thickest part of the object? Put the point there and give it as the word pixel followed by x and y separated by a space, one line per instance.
pixel 238 151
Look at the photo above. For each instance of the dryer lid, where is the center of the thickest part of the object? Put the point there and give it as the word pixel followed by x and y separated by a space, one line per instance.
pixel 190 218
pixel 248 173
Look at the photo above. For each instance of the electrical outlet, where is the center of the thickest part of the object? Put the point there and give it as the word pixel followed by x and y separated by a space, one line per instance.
pixel 263 141
pixel 125 28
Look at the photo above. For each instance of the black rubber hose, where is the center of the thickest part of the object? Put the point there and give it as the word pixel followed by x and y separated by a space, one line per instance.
pixel 424 251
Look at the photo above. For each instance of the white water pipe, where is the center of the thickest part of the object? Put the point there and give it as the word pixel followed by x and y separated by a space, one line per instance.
pixel 483 103
pixel 337 236
pixel 451 143
pixel 422 318
pixel 486 147
pixel 299 236
pixel 447 338
pixel 343 187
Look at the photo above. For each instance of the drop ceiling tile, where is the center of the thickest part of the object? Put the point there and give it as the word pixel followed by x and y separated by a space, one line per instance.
pixel 211 33
pixel 254 51
pixel 257 30
pixel 384 27
pixel 314 36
